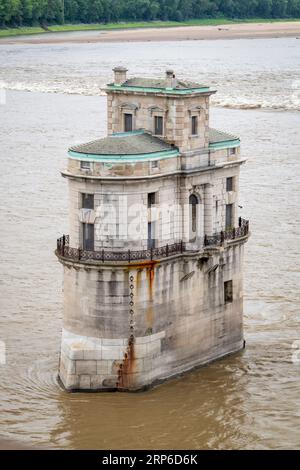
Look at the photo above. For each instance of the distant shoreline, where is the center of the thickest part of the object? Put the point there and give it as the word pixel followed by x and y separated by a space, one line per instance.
pixel 167 32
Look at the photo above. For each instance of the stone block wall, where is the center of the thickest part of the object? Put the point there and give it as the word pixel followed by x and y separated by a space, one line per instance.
pixel 177 319
pixel 175 110
pixel 120 209
pixel 125 170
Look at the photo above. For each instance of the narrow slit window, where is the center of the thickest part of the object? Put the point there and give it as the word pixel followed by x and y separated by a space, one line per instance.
pixel 88 237
pixel 151 224
pixel 151 200
pixel 229 184
pixel 193 201
pixel 229 214
pixel 151 237
pixel 158 125
pixel 127 122
pixel 194 125
pixel 228 292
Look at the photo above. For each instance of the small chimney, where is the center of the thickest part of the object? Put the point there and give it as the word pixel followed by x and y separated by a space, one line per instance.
pixel 174 81
pixel 169 78
pixel 120 75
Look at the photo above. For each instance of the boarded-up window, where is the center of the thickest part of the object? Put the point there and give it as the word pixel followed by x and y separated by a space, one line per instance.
pixel 228 293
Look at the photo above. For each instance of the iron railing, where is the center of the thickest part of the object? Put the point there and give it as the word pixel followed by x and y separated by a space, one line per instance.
pixel 230 234
pixel 64 250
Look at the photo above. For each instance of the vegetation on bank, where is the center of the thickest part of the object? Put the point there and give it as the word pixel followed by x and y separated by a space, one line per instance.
pixel 16 13
pixel 7 32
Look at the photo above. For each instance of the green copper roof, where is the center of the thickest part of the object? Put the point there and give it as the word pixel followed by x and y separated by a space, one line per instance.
pixel 170 84
pixel 161 83
pixel 220 139
pixel 112 86
pixel 152 85
pixel 140 145
pixel 124 143
pixel 126 146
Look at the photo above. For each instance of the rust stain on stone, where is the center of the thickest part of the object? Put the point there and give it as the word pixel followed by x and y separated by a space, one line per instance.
pixel 143 264
pixel 127 369
pixel 149 266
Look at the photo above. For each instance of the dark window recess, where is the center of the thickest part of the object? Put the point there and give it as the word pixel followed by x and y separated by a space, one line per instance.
pixel 229 184
pixel 151 239
pixel 228 222
pixel 193 201
pixel 88 237
pixel 228 293
pixel 194 125
pixel 127 122
pixel 158 125
pixel 87 201
pixel 151 199
pixel 85 165
pixel 232 151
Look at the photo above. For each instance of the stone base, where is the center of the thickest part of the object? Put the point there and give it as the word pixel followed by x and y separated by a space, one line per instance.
pixel 128 326
pixel 95 364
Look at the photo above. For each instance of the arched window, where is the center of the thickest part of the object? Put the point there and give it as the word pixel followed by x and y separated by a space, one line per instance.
pixel 193 202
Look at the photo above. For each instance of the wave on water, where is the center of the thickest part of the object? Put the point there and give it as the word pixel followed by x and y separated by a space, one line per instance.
pixel 53 88
pixel 285 102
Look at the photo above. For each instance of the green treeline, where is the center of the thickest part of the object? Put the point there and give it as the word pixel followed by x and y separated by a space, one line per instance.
pixel 43 12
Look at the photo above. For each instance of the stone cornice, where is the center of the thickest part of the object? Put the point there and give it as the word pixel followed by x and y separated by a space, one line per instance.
pixel 67 174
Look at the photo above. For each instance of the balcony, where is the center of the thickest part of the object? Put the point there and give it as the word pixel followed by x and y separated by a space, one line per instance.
pixel 218 239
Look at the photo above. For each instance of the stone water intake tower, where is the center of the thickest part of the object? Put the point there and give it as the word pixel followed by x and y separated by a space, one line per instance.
pixel 153 263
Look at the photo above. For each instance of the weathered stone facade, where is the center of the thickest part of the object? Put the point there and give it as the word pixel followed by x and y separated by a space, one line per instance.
pixel 129 324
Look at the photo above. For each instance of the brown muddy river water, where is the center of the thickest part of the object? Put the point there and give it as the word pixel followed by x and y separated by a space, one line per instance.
pixel 249 400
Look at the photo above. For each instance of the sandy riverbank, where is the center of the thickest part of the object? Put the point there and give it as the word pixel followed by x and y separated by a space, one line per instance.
pixel 182 33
